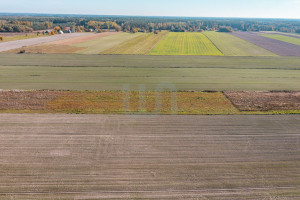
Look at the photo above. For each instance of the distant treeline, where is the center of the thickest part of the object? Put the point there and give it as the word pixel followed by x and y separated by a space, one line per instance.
pixel 31 22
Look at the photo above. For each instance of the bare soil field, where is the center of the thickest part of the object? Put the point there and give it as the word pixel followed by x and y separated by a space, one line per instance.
pixel 265 101
pixel 149 157
pixel 276 46
pixel 6 46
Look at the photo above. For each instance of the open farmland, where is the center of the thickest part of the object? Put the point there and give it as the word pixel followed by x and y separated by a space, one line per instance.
pixel 230 45
pixel 288 39
pixel 99 45
pixel 6 46
pixel 186 44
pixel 145 102
pixel 149 157
pixel 65 46
pixel 278 47
pixel 91 72
pixel 139 45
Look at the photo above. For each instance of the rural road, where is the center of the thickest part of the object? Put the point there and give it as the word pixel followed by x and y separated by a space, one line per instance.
pixel 5 46
pixel 53 156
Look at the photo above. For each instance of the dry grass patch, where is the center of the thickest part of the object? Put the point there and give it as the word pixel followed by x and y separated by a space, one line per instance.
pixel 48 49
pixel 113 102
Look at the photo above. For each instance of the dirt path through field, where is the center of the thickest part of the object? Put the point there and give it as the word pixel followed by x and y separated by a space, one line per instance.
pixel 5 46
pixel 149 157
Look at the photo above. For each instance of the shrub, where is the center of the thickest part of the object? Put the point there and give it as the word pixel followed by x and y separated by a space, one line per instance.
pixel 225 29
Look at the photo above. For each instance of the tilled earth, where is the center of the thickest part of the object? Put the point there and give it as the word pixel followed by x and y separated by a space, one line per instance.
pixel 265 101
pixel 276 46
pixel 51 156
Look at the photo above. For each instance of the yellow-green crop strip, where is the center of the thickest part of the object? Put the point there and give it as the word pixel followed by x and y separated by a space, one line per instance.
pixel 283 38
pixel 186 44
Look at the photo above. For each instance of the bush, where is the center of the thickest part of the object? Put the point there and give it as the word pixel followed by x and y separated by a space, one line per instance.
pixel 298 31
pixel 225 29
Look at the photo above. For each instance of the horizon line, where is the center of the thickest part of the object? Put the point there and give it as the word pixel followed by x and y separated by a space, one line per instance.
pixel 115 15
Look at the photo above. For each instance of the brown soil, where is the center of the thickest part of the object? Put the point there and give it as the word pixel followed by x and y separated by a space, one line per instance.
pixel 49 49
pixel 72 41
pixel 134 157
pixel 265 101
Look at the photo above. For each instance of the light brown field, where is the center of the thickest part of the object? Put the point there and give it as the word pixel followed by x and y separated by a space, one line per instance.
pixel 72 41
pixel 54 156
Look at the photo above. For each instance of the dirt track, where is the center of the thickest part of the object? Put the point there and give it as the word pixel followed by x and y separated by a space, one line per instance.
pixel 276 46
pixel 143 157
pixel 5 46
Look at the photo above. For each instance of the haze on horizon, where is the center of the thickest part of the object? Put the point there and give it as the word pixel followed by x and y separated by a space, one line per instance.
pixel 188 8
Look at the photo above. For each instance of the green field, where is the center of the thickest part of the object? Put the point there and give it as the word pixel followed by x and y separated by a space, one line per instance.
pixel 99 45
pixel 283 38
pixel 234 46
pixel 142 44
pixel 186 44
pixel 92 72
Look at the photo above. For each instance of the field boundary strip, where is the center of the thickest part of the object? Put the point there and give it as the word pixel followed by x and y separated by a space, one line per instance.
pixel 157 43
pixel 214 44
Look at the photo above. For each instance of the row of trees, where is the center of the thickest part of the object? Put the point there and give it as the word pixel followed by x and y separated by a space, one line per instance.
pixel 146 24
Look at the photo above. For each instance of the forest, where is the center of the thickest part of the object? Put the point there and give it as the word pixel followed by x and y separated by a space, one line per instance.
pixel 34 22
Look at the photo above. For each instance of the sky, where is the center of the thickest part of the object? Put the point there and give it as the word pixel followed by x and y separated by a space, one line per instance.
pixel 190 8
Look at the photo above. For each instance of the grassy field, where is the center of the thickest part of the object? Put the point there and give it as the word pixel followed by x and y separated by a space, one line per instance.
pixel 283 38
pixel 115 78
pixel 230 45
pixel 99 45
pixel 105 72
pixel 141 61
pixel 134 157
pixel 186 44
pixel 140 45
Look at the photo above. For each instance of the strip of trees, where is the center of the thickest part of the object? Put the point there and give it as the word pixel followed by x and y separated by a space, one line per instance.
pixel 144 24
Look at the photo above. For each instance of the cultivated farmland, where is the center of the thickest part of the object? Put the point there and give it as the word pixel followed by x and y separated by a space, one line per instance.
pixel 99 45
pixel 288 39
pixel 94 72
pixel 279 47
pixel 139 45
pixel 6 46
pixel 149 157
pixel 186 44
pixel 234 46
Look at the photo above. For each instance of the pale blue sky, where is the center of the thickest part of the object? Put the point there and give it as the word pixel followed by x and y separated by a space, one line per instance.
pixel 196 8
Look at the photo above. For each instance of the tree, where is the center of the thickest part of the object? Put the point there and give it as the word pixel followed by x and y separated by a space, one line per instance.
pixel 225 29
pixel 56 28
pixel 298 31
